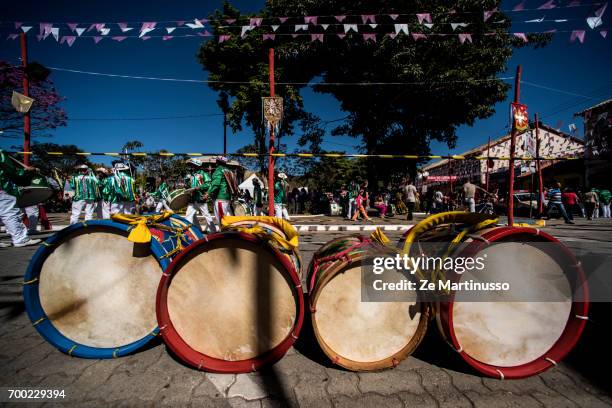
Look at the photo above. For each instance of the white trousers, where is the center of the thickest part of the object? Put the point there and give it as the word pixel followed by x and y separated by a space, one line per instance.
pixel 78 207
pixel 257 211
pixel 128 207
pixel 222 207
pixel 280 211
pixel 11 217
pixel 164 205
pixel 32 213
pixel 191 215
pixel 104 210
pixel 471 204
pixel 605 209
pixel 352 207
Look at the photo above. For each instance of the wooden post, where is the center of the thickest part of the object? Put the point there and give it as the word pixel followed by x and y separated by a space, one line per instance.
pixel 26 92
pixel 539 168
pixel 487 164
pixel 271 141
pixel 517 93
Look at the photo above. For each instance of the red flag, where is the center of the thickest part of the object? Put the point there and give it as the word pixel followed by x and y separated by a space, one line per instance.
pixel 519 114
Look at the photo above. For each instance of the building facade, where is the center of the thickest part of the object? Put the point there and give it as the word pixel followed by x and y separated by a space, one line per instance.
pixel 598 144
pixel 473 165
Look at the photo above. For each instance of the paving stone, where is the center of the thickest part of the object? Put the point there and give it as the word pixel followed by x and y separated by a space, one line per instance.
pixel 310 391
pixel 412 363
pixel 250 387
pixel 439 385
pixel 518 386
pixel 342 383
pixel 220 382
pixel 125 387
pixel 94 377
pixel 502 400
pixel 57 362
pixel 180 389
pixel 390 382
pixel 555 400
pixel 467 382
pixel 423 400
pixel 241 403
pixel 565 386
pixel 367 401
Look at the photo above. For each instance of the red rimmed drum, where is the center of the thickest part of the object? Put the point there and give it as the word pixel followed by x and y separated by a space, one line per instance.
pixel 516 339
pixel 231 303
pixel 358 335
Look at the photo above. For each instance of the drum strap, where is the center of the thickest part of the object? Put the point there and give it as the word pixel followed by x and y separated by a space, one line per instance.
pixel 139 232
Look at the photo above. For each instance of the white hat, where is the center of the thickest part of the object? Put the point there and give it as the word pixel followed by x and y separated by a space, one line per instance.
pixel 195 162
pixel 102 170
pixel 221 159
pixel 121 166
pixel 282 175
pixel 81 167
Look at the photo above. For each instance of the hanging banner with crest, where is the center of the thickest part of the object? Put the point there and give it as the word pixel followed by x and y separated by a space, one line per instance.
pixel 272 111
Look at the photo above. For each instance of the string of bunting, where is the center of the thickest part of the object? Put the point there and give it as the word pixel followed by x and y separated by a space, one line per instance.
pixel 304 155
pixel 301 26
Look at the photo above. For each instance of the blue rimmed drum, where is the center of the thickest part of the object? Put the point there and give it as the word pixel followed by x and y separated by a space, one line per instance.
pixel 90 292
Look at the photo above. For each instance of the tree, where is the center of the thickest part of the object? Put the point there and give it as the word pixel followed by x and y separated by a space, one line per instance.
pixel 65 163
pixel 46 112
pixel 438 83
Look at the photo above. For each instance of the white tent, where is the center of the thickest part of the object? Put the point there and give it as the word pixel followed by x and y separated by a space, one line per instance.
pixel 247 184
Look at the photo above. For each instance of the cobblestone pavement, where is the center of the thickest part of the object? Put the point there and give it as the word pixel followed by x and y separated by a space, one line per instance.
pixel 433 377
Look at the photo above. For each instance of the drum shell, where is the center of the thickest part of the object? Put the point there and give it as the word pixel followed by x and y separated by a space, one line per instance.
pixel 573 328
pixel 201 361
pixel 161 243
pixel 37 192
pixel 326 272
pixel 179 199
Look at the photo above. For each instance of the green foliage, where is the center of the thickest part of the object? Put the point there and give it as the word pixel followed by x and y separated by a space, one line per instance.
pixel 445 84
pixel 64 163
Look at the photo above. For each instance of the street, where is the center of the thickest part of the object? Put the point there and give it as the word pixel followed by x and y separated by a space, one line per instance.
pixel 433 376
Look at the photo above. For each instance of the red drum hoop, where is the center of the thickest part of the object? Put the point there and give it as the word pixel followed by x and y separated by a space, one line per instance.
pixel 576 319
pixel 199 360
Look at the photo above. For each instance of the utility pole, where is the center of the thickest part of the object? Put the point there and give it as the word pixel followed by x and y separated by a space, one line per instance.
pixel 271 141
pixel 487 164
pixel 26 92
pixel 517 93
pixel 539 168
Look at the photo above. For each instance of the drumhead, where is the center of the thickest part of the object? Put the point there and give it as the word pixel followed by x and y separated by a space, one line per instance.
pixel 363 332
pixel 231 299
pixel 179 199
pixel 32 195
pixel 240 209
pixel 509 334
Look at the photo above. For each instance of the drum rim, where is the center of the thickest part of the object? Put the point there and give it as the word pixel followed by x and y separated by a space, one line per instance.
pixel 333 269
pixel 562 346
pixel 207 363
pixel 38 316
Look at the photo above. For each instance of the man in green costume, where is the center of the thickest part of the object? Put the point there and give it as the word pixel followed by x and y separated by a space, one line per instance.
pixel 199 181
pixel 280 196
pixel 221 190
pixel 162 194
pixel 125 182
pixel 10 177
pixel 85 187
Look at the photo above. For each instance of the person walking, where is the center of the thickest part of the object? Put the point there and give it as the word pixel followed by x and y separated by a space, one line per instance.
pixel 10 178
pixel 220 190
pixel 591 201
pixel 604 202
pixel 86 194
pixel 106 193
pixel 280 194
pixel 411 194
pixel 360 208
pixel 163 195
pixel 127 194
pixel 469 196
pixel 353 191
pixel 570 201
pixel 199 181
pixel 257 197
pixel 554 201
pixel 438 202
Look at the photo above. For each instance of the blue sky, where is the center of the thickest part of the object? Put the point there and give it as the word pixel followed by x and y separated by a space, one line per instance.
pixel 577 69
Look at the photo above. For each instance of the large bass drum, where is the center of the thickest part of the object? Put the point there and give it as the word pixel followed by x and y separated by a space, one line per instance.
pixel 358 335
pixel 515 339
pixel 230 303
pixel 37 192
pixel 91 293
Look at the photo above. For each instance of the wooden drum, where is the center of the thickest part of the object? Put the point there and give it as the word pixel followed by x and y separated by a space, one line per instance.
pixel 358 335
pixel 230 303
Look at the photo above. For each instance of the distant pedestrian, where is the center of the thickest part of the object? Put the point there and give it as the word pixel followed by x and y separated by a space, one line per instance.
pixel 469 196
pixel 554 201
pixel 570 201
pixel 359 203
pixel 604 202
pixel 411 197
pixel 591 200
pixel 438 202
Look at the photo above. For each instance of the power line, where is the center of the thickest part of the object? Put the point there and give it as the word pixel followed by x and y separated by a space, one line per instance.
pixel 147 118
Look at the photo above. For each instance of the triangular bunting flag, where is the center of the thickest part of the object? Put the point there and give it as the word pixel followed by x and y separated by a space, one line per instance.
pixel 180 23
pixel 392 35
pixel 167 37
pixel 18 25
pixel 25 29
pixel 230 20
pixel 55 32
pixel 424 17
pixel 340 18
pixel 368 18
pixel 577 35
pixel 520 6
pixel 97 39
pixel 275 27
pixel 224 38
pixel 465 37
pixel 457 25
pixel 72 26
pixel 246 29
pixel 536 20
pixel 369 37
pixel 145 38
pixel 147 27
pixel 255 21
pixel 550 4
pixel 80 31
pixel 196 24
pixel 283 19
pixel 325 26
pixel 105 31
pixel 170 29
pixel 294 35
pixel 118 38
pixel 310 19
pixel 70 39
pixel 268 37
pixel 349 27
pixel 12 36
pixel 394 16
pixel 428 25
pixel 373 25
pixel 341 35
pixel 401 28
pixel 594 22
pixel 522 36
pixel 418 36
pixel 488 14
pixel 316 37
pixel 604 33
pixel 299 27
